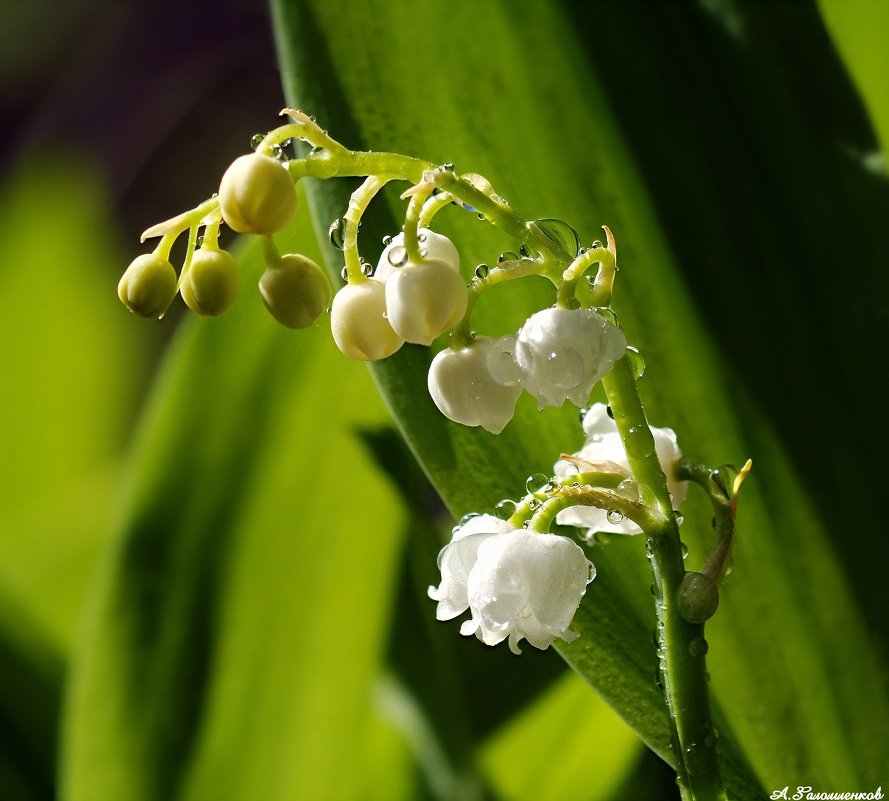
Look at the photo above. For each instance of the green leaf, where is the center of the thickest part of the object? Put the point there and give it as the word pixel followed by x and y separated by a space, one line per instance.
pixel 241 616
pixel 514 96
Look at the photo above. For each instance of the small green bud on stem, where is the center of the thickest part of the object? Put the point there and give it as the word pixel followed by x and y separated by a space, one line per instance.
pixel 256 195
pixel 212 282
pixel 148 286
pixel 295 291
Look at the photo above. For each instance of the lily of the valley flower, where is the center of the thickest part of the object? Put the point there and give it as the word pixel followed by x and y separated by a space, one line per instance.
pixel 562 353
pixel 517 584
pixel 464 391
pixel 358 322
pixel 424 300
pixel 603 444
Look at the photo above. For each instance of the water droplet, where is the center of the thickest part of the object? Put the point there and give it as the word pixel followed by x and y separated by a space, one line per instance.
pixel 696 760
pixel 526 524
pixel 526 253
pixel 614 517
pixel 423 253
pixel 344 274
pixel 329 309
pixel 549 487
pixel 653 591
pixel 502 364
pixel 562 368
pixel 609 411
pixel 367 268
pixel 637 362
pixel 508 256
pixel 199 241
pixel 607 314
pixel 316 151
pixel 481 216
pixel 398 256
pixel 639 442
pixel 505 509
pixel 679 521
pixel 387 240
pixel 421 237
pixel 658 679
pixel 698 646
pixel 562 234
pixel 534 504
pixel 535 483
pixel 724 478
pixel 256 140
pixel 466 518
pixel 684 548
pixel 448 167
pixel 481 272
pixel 336 232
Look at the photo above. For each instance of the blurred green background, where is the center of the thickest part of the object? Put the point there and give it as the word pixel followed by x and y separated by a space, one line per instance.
pixel 255 636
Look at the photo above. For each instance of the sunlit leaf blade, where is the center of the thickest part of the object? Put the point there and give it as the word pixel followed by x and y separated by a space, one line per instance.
pixel 240 619
pixel 541 129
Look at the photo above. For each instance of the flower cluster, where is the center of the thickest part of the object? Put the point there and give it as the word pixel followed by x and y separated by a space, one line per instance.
pixel 604 444
pixel 518 584
pixel 416 293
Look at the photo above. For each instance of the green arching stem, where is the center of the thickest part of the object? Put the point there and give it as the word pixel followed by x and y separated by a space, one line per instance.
pixel 683 665
pixel 432 206
pixel 585 495
pixel 270 253
pixel 358 203
pixel 575 271
pixel 189 253
pixel 418 197
pixel 598 478
pixel 211 233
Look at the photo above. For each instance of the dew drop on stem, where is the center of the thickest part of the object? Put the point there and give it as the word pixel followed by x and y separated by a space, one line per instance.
pixel 336 232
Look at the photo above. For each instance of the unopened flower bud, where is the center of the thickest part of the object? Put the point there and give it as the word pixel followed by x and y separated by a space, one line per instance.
pixel 295 291
pixel 359 324
pixel 148 286
pixel 437 247
pixel 464 391
pixel 425 300
pixel 698 597
pixel 212 282
pixel 257 195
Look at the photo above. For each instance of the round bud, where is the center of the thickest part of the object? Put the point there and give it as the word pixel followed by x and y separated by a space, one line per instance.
pixel 148 286
pixel 358 322
pixel 257 195
pixel 212 282
pixel 698 598
pixel 295 291
pixel 425 300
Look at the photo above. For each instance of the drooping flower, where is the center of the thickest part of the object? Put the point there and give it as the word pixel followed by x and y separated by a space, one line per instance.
pixel 424 300
pixel 457 559
pixel 464 391
pixel 603 444
pixel 562 353
pixel 358 322
pixel 518 584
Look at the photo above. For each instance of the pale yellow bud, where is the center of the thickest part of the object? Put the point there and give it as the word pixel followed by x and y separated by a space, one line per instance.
pixel 295 291
pixel 148 286
pixel 257 195
pixel 358 322
pixel 212 282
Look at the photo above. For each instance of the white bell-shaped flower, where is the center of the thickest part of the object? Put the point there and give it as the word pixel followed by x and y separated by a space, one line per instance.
pixel 436 247
pixel 358 322
pixel 526 585
pixel 457 559
pixel 464 391
pixel 603 444
pixel 424 300
pixel 562 353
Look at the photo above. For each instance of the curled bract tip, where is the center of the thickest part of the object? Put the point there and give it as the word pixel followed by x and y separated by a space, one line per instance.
pixel 610 243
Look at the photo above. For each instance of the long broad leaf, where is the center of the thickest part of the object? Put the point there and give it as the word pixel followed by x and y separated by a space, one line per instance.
pixel 511 95
pixel 236 634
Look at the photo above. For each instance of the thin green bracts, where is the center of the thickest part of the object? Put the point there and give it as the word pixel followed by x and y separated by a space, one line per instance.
pixel 358 203
pixel 645 517
pixel 418 195
pixel 683 665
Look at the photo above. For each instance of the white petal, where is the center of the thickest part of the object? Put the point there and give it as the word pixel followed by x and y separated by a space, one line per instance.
pixel 437 247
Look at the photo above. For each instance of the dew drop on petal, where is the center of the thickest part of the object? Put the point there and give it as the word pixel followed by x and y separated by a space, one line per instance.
pixel 398 256
pixel 387 240
pixel 466 518
pixel 614 517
